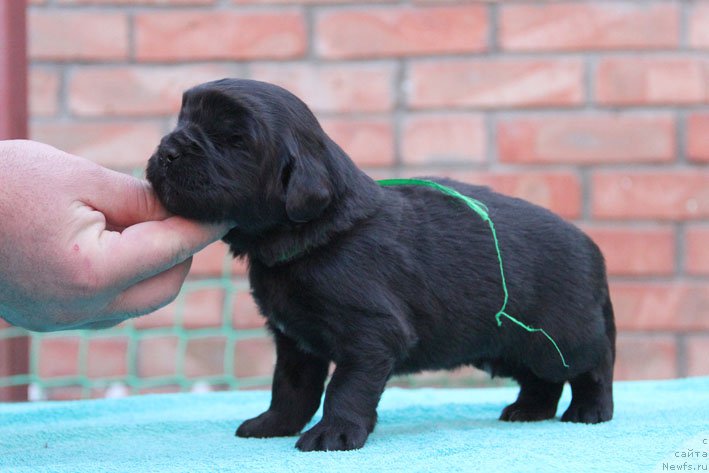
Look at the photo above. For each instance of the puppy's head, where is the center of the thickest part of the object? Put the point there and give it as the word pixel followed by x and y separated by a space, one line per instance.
pixel 244 151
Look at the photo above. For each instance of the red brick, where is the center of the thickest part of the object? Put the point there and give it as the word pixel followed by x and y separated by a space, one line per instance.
pixel 697 248
pixel 631 80
pixel 305 2
pixel 669 195
pixel 558 191
pixel 98 393
pixel 59 356
pixel 136 90
pixel 697 350
pixel 698 137
pixel 117 145
pixel 11 392
pixel 136 2
pixel 671 306
pixel 251 386
pixel 636 251
pixel 203 308
pixel 77 35
pixel 157 356
pixel 180 35
pixel 164 317
pixel 599 138
pixel 495 83
pixel 334 88
pixel 165 389
pixel 699 26
pixel 443 137
pixel 64 393
pixel 645 357
pixel 570 26
pixel 254 357
pixel 400 31
pixel 369 142
pixel 216 387
pixel 43 92
pixel 204 356
pixel 107 357
pixel 245 313
pixel 210 262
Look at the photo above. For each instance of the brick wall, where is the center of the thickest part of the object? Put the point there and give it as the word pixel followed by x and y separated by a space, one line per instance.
pixel 598 110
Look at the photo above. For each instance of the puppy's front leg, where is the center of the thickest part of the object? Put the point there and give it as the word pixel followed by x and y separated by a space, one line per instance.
pixel 298 384
pixel 349 414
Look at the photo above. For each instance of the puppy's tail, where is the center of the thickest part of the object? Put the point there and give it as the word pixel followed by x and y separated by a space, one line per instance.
pixel 609 319
pixel 606 305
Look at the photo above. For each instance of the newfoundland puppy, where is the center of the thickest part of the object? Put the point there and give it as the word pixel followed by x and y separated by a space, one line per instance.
pixel 383 280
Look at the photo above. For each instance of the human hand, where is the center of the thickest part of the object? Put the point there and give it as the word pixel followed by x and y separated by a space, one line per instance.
pixel 82 246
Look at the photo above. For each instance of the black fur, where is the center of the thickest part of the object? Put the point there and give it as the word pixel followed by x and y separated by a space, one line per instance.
pixel 378 280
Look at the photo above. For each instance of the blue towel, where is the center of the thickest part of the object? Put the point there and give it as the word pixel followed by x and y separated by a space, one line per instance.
pixel 657 425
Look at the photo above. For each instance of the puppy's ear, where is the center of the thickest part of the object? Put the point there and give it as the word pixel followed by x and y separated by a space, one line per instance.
pixel 307 185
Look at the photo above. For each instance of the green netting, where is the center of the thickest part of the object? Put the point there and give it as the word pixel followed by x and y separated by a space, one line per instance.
pixel 132 380
pixel 227 379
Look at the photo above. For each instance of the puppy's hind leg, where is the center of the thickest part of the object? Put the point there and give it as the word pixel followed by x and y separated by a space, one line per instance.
pixel 592 394
pixel 537 399
pixel 592 391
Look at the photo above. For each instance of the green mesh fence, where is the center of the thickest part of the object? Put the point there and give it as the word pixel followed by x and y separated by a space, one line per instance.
pixel 132 379
pixel 82 384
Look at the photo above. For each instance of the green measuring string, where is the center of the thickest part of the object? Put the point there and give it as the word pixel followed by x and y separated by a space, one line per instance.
pixel 482 210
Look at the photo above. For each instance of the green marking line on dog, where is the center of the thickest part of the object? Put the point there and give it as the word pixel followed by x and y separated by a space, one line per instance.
pixel 483 212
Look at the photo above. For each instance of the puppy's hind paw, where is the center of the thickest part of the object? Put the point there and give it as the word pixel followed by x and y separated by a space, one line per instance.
pixel 268 424
pixel 587 414
pixel 337 434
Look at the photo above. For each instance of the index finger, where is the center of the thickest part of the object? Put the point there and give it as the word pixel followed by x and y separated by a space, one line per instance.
pixel 149 248
pixel 124 200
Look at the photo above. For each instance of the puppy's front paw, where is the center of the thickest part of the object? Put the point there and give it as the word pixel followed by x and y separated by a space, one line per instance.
pixel 268 424
pixel 520 412
pixel 334 434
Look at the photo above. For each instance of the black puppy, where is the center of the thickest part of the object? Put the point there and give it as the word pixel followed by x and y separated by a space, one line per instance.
pixel 382 280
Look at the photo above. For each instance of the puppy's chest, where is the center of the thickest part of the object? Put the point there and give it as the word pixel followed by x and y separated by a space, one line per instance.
pixel 295 311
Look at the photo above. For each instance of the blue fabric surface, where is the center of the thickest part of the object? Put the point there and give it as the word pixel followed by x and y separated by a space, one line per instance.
pixel 423 430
